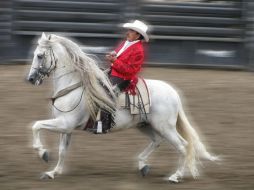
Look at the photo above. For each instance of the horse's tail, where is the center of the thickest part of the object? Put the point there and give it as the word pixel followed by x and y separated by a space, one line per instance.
pixel 195 148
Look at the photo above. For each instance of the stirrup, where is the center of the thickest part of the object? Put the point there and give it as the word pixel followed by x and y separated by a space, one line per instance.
pixel 98 128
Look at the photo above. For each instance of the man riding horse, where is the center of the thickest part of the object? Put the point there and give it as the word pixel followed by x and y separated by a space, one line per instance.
pixel 81 88
pixel 126 62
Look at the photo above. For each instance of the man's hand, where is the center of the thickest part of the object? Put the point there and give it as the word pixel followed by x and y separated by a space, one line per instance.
pixel 113 53
pixel 111 57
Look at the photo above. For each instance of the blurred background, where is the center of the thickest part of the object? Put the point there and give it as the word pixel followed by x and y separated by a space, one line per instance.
pixel 183 32
pixel 188 34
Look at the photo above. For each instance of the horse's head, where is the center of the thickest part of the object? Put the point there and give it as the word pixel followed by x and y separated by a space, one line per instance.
pixel 44 61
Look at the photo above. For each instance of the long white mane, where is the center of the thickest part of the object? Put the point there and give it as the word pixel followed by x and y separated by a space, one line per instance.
pixel 99 91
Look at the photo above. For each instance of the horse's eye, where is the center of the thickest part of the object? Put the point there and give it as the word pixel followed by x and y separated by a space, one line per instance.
pixel 40 56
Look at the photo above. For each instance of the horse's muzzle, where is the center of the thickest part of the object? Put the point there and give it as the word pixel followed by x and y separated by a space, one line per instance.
pixel 31 80
pixel 35 79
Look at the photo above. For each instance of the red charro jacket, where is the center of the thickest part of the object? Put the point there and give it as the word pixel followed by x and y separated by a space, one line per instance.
pixel 129 63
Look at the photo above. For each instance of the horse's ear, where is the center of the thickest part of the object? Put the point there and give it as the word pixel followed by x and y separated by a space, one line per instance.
pixel 43 36
pixel 49 37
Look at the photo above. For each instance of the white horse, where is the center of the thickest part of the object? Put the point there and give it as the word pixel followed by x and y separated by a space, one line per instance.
pixel 78 94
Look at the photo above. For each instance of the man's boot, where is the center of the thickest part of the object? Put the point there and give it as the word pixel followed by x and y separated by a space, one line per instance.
pixel 103 122
pixel 106 121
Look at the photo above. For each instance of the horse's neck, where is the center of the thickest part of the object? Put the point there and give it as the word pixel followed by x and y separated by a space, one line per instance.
pixel 64 76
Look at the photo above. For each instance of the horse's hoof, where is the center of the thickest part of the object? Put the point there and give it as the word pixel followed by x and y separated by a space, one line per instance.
pixel 173 179
pixel 145 170
pixel 45 176
pixel 45 156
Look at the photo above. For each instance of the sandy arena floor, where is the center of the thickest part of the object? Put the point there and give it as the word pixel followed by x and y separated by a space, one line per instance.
pixel 220 103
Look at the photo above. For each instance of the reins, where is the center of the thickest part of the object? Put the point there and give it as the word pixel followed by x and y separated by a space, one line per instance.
pixel 66 91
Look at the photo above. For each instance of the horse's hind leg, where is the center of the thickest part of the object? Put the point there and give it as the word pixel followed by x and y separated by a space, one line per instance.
pixel 169 132
pixel 142 158
pixel 64 143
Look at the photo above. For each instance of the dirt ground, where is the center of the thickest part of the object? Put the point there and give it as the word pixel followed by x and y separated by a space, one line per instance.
pixel 220 103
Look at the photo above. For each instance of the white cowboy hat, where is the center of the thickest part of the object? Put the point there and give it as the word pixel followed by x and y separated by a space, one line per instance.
pixel 139 27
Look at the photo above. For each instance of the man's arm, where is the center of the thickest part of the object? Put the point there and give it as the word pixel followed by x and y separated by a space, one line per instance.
pixel 132 66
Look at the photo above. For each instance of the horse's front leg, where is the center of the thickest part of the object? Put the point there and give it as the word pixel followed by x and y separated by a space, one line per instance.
pixel 64 143
pixel 56 125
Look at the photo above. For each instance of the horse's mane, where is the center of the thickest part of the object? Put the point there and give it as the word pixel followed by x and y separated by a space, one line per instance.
pixel 99 92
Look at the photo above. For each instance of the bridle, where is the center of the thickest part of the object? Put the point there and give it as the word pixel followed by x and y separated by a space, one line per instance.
pixel 42 71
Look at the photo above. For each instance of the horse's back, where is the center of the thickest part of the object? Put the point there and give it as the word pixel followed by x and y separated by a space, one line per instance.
pixel 161 89
pixel 164 98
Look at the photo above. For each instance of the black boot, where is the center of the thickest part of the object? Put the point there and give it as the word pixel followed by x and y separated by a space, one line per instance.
pixel 103 125
pixel 106 121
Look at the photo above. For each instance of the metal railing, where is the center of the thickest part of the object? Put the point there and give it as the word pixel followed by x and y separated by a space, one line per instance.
pixel 182 33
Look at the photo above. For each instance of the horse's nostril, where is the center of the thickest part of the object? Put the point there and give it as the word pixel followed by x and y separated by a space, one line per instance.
pixel 31 79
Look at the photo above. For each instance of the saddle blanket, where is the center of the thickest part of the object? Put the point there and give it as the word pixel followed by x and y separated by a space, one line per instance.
pixel 139 103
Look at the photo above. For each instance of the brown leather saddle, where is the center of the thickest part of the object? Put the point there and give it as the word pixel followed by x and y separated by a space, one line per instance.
pixel 139 103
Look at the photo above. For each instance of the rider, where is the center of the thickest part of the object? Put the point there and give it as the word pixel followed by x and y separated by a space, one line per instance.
pixel 127 59
pixel 126 62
